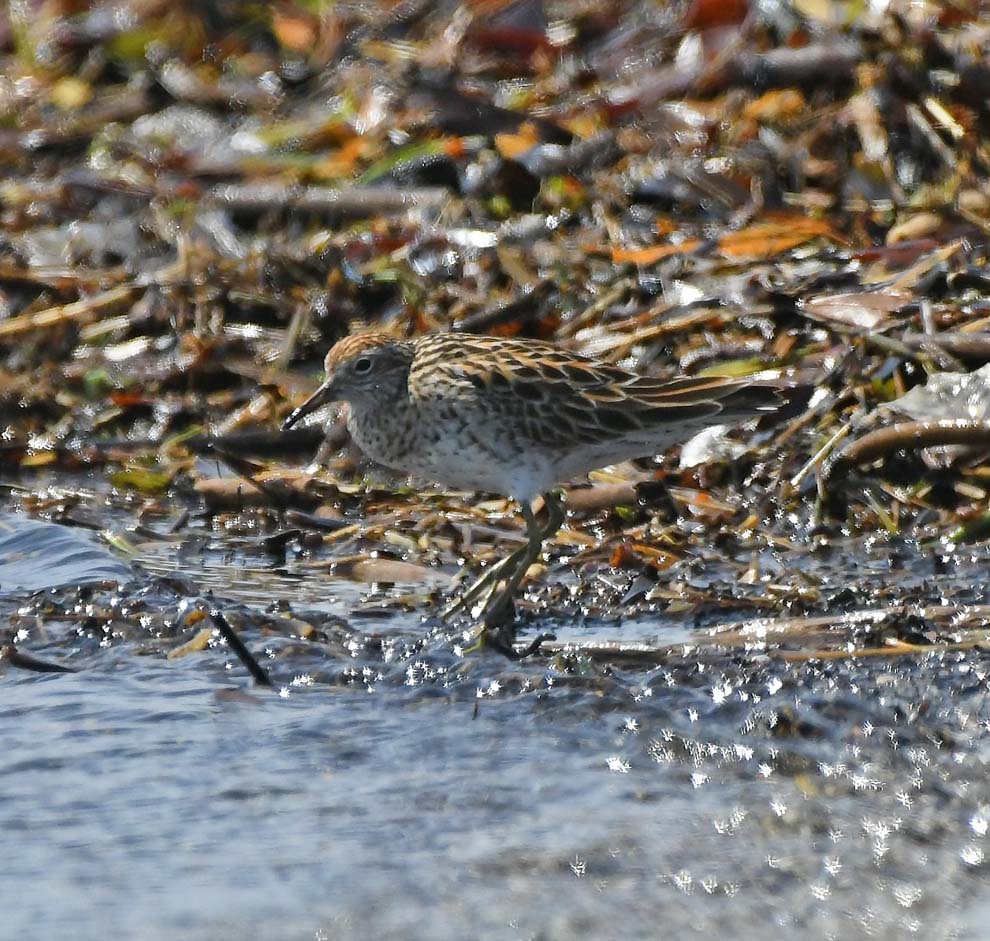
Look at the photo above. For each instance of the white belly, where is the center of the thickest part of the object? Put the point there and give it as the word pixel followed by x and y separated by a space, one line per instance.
pixel 475 461
pixel 467 469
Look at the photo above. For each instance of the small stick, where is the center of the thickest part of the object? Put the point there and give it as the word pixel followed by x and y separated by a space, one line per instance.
pixel 68 313
pixel 281 495
pixel 352 201
pixel 820 456
pixel 909 435
pixel 970 345
pixel 615 293
pixel 25 661
pixel 899 649
pixel 256 670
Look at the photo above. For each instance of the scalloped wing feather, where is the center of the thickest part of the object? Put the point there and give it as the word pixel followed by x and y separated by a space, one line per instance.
pixel 560 398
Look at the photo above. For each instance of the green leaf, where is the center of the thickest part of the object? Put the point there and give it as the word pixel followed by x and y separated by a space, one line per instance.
pixel 408 154
pixel 736 367
pixel 144 479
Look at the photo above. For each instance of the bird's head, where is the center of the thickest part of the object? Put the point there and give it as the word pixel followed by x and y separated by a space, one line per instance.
pixel 366 370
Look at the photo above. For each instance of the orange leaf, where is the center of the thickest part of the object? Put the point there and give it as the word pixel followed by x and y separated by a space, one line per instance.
pixel 343 162
pixel 764 239
pixel 776 234
pixel 647 256
pixel 295 30
pixel 706 14
pixel 656 557
pixel 126 399
pixel 583 125
pixel 619 556
pixel 511 146
pixel 453 147
pixel 777 105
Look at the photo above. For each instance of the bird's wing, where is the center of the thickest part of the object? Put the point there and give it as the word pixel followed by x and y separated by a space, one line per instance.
pixel 555 397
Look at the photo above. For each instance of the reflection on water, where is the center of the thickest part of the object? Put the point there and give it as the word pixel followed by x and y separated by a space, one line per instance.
pixel 427 796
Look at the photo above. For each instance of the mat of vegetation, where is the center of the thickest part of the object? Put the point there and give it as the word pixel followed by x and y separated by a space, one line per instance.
pixel 199 199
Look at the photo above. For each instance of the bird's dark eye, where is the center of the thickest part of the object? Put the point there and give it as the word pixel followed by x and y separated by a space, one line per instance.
pixel 362 365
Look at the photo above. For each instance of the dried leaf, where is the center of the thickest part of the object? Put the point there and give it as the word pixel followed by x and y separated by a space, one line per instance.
pixel 765 239
pixel 914 227
pixel 762 240
pixel 707 14
pixel 648 256
pixel 294 29
pixel 394 570
pixel 866 310
pixel 39 459
pixel 515 145
pixel 200 642
pixel 776 105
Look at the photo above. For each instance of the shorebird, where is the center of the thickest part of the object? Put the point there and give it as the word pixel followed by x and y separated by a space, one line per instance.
pixel 513 417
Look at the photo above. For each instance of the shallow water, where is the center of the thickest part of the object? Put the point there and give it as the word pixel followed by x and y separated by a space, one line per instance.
pixel 36 555
pixel 416 794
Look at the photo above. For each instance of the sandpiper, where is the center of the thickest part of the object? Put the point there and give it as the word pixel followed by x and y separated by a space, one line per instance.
pixel 514 417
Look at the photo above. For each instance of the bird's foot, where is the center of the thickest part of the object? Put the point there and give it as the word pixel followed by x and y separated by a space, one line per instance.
pixel 493 639
pixel 483 638
pixel 496 627
pixel 498 633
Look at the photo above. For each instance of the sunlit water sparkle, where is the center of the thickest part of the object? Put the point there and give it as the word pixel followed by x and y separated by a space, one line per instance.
pixel 433 797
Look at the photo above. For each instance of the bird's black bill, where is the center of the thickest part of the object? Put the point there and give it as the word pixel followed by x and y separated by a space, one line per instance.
pixel 318 399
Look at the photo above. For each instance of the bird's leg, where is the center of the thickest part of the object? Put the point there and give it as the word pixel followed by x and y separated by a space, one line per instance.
pixel 500 608
pixel 513 562
pixel 501 604
pixel 554 501
pixel 487 579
